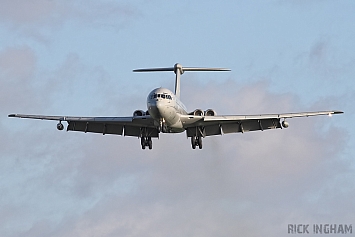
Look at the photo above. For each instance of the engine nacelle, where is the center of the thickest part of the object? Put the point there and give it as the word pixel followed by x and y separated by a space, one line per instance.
pixel 210 112
pixel 197 112
pixel 138 113
pixel 284 124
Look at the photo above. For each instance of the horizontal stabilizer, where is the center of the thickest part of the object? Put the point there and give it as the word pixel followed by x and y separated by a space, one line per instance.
pixel 178 69
pixel 181 69
pixel 163 69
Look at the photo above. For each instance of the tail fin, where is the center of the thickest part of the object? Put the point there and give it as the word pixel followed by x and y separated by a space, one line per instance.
pixel 178 69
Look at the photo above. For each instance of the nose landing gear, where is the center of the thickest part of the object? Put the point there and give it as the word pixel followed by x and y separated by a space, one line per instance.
pixel 162 126
pixel 196 141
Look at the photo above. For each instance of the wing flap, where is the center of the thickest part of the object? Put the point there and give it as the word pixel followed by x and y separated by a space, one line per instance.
pixel 103 128
pixel 132 131
pixel 213 130
pixel 95 127
pixel 135 131
pixel 231 128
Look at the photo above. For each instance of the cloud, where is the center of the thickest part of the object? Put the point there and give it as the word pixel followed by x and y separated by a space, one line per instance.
pixel 108 186
pixel 75 184
pixel 18 66
pixel 326 62
pixel 27 88
pixel 36 12
pixel 26 12
pixel 36 18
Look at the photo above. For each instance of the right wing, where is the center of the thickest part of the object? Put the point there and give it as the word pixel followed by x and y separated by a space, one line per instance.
pixel 216 125
pixel 136 126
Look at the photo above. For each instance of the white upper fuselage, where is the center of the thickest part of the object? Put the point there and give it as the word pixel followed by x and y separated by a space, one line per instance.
pixel 166 108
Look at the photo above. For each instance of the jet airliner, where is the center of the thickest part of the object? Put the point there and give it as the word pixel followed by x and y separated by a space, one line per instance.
pixel 167 114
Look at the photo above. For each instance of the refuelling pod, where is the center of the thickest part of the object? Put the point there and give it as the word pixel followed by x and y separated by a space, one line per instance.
pixel 284 124
pixel 210 112
pixel 138 113
pixel 60 126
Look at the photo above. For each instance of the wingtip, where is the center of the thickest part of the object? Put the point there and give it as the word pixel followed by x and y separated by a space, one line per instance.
pixel 12 115
pixel 338 112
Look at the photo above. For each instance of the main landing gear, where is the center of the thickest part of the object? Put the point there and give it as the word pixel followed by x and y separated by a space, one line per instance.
pixel 196 141
pixel 146 142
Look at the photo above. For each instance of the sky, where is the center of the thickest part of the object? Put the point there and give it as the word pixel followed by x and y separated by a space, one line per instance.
pixel 76 58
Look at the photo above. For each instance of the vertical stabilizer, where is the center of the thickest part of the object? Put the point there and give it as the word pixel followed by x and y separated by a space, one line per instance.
pixel 178 71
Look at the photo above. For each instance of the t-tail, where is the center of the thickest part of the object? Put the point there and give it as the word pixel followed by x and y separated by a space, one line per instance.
pixel 178 69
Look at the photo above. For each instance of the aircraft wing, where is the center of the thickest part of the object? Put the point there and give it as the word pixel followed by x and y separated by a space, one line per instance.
pixel 216 125
pixel 128 126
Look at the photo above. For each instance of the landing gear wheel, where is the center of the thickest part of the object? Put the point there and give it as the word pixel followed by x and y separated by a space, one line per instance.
pixel 196 141
pixel 193 142
pixel 146 141
pixel 150 143
pixel 199 141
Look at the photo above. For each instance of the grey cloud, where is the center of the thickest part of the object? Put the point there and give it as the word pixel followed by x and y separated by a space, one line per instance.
pixel 106 185
pixel 26 161
pixel 18 67
pixel 25 88
pixel 270 170
pixel 318 52
pixel 18 62
pixel 327 62
pixel 75 184
pixel 26 12
pixel 34 19
pixel 40 11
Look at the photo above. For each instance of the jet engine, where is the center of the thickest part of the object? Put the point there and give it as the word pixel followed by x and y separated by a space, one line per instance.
pixel 197 112
pixel 210 112
pixel 138 113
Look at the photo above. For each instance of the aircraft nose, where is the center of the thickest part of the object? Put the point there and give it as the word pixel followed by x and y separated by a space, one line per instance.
pixel 158 104
pixel 155 108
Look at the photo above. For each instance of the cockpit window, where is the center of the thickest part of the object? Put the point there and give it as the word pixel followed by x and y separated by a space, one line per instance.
pixel 163 96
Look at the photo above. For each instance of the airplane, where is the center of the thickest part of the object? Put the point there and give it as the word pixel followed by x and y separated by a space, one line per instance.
pixel 167 114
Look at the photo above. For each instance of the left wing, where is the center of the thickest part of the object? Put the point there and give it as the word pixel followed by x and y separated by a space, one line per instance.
pixel 136 126
pixel 215 125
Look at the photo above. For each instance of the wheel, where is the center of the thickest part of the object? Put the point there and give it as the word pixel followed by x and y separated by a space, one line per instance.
pixel 150 144
pixel 143 142
pixel 199 141
pixel 193 142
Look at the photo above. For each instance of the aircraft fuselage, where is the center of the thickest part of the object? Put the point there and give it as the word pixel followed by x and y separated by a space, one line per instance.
pixel 165 108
